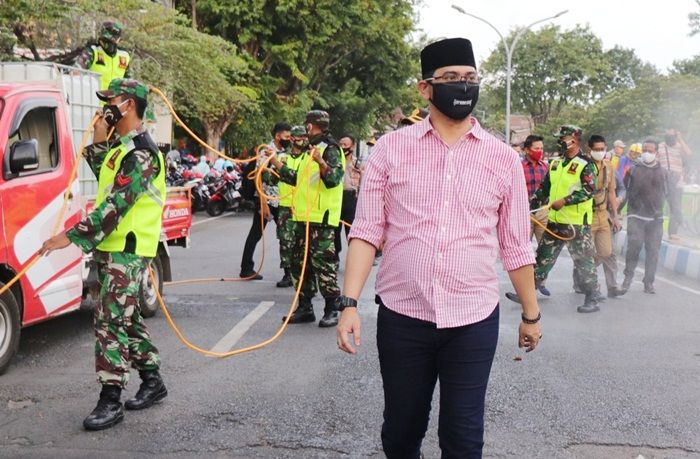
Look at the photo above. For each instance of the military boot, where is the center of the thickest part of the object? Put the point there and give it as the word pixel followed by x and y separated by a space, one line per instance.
pixel 589 303
pixel 330 314
pixel 108 412
pixel 304 313
pixel 151 391
pixel 286 281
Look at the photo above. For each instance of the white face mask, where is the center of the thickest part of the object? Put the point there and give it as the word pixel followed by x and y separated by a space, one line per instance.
pixel 648 157
pixel 598 155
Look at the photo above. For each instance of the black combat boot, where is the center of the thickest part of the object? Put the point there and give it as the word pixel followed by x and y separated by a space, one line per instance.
pixel 304 313
pixel 330 314
pixel 589 304
pixel 108 412
pixel 152 391
pixel 286 281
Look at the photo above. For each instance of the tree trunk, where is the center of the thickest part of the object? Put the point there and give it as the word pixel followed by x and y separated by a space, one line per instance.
pixel 214 131
pixel 193 4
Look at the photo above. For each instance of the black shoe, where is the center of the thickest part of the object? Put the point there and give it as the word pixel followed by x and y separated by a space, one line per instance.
pixel 589 304
pixel 303 314
pixel 330 314
pixel 286 281
pixel 152 391
pixel 108 412
pixel 649 288
pixel 544 290
pixel 513 297
pixel 614 292
pixel 250 275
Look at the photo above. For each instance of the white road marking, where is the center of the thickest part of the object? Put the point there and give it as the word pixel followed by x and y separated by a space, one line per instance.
pixel 209 219
pixel 670 282
pixel 226 343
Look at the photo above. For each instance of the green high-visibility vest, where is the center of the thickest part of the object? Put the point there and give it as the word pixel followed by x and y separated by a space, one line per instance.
pixel 285 189
pixel 109 67
pixel 144 219
pixel 565 180
pixel 312 198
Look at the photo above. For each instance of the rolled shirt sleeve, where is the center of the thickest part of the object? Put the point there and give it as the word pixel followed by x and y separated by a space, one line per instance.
pixel 370 217
pixel 513 227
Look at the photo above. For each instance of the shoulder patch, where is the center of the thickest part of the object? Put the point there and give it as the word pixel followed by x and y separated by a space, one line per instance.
pixel 573 167
pixel 111 162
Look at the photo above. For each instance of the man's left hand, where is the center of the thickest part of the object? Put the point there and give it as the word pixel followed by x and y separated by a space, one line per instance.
pixel 316 155
pixel 617 225
pixel 529 336
pixel 59 241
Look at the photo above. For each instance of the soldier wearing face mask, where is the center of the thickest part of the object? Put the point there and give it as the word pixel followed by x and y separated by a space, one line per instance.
pixel 568 187
pixel 647 186
pixel 105 57
pixel 122 232
pixel 605 217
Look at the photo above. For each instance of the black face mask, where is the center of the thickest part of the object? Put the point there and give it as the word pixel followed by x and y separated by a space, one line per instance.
pixel 112 114
pixel 347 151
pixel 108 46
pixel 671 140
pixel 563 146
pixel 455 100
pixel 285 143
pixel 301 144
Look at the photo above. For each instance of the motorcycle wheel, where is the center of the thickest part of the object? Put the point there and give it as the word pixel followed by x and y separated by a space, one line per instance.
pixel 215 208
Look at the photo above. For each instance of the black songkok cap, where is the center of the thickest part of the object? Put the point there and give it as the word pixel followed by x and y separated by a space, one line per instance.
pixel 451 51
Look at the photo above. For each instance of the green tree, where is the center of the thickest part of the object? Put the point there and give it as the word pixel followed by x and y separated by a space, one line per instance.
pixel 694 20
pixel 687 66
pixel 557 72
pixel 351 58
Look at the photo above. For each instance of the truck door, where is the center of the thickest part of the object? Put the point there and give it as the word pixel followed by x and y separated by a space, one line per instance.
pixel 32 201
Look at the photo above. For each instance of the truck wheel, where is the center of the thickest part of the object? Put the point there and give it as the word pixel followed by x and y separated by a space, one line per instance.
pixel 215 208
pixel 9 329
pixel 149 300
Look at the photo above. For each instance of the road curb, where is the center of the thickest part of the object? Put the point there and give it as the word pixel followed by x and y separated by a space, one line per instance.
pixel 682 260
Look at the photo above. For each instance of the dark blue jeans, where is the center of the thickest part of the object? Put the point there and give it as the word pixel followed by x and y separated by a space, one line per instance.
pixel 413 355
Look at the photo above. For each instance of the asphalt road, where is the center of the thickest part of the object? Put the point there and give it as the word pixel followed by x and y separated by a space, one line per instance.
pixel 621 383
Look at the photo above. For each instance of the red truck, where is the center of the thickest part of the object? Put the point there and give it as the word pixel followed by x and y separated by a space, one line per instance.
pixel 44 111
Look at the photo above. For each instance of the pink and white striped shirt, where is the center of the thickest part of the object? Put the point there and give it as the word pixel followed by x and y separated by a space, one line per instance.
pixel 444 214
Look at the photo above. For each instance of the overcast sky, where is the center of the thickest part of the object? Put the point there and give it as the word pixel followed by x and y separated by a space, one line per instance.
pixel 656 31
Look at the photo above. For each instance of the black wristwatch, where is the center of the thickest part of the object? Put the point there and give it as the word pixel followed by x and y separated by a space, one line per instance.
pixel 345 302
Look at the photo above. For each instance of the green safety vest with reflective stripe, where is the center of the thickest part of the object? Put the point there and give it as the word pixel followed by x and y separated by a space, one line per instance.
pixel 144 219
pixel 109 67
pixel 564 180
pixel 312 198
pixel 285 189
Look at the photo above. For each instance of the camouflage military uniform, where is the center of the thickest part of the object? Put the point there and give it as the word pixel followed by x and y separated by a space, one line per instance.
pixel 581 247
pixel 286 234
pixel 121 335
pixel 322 258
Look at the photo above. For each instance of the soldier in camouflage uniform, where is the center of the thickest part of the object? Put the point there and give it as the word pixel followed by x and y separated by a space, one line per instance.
pixel 317 201
pixel 286 226
pixel 105 57
pixel 123 233
pixel 568 187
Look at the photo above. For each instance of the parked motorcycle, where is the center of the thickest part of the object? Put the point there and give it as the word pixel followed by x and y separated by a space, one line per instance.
pixel 225 195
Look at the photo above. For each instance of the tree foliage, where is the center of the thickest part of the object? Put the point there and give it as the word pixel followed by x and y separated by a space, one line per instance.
pixel 553 70
pixel 694 20
pixel 351 58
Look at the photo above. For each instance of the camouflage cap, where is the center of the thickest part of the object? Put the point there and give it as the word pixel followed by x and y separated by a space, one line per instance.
pixel 119 86
pixel 319 117
pixel 111 30
pixel 298 131
pixel 568 129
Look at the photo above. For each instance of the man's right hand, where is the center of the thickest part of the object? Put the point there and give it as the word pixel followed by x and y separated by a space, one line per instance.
pixel 349 324
pixel 558 204
pixel 100 133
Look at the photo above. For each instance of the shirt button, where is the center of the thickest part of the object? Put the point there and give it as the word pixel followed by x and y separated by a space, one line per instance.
pixel 447 203
pixel 443 229
pixel 449 176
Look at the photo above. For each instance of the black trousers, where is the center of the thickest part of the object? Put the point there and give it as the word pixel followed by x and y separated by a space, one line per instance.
pixel 254 235
pixel 647 234
pixel 347 214
pixel 413 355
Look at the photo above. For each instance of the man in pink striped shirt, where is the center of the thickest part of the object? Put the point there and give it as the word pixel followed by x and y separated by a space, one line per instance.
pixel 437 288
